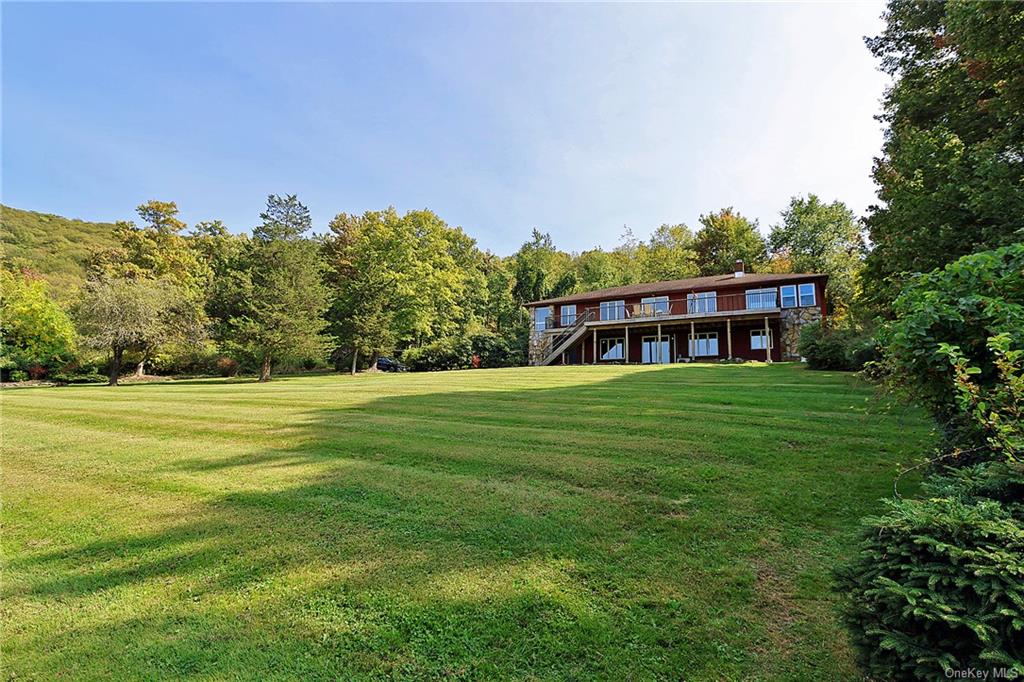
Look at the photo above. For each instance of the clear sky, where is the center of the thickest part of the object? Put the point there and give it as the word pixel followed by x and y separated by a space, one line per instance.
pixel 576 119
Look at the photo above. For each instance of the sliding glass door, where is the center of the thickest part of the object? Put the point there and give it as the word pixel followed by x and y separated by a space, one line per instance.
pixel 655 352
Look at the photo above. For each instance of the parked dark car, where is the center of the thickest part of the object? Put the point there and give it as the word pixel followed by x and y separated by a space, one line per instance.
pixel 390 365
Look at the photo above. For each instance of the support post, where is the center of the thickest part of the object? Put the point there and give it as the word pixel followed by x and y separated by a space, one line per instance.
pixel 767 341
pixel 659 343
pixel 728 335
pixel 627 345
pixel 693 340
pixel 595 348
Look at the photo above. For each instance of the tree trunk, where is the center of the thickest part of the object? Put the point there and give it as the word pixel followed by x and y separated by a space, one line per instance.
pixel 115 366
pixel 265 370
pixel 355 357
pixel 140 369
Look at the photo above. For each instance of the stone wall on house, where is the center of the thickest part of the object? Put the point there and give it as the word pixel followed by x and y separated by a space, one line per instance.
pixel 540 346
pixel 792 321
pixel 540 343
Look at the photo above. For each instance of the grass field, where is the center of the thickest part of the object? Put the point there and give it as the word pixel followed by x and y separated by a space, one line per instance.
pixel 576 523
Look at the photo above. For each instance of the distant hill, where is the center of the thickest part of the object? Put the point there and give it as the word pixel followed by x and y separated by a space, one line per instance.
pixel 54 246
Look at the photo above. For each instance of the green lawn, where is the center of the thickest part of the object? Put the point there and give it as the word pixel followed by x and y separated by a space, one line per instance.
pixel 533 523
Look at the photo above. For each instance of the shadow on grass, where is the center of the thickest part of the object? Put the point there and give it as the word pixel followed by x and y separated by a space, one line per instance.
pixel 612 529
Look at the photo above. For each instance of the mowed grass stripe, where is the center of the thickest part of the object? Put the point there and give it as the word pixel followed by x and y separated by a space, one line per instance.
pixel 528 523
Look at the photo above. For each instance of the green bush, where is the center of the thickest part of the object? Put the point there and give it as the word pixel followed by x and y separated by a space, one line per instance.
pixel 36 333
pixel 836 349
pixel 963 304
pixel 495 351
pixel 938 583
pixel 446 353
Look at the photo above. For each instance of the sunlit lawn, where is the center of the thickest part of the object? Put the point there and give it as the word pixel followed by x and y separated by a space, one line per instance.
pixel 576 523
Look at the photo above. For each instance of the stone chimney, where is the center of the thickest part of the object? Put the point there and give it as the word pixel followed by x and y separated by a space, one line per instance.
pixel 739 268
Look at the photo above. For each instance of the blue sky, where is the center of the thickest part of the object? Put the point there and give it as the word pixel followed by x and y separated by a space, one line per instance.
pixel 576 119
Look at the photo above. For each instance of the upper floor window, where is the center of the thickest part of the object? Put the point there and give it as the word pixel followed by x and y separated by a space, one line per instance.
pixel 788 295
pixel 568 315
pixel 806 294
pixel 613 310
pixel 540 318
pixel 760 299
pixel 654 305
pixel 703 302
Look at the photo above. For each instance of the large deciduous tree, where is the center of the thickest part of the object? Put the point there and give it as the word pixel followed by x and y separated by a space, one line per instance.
pixel 726 236
pixel 403 280
pixel 282 296
pixel 121 314
pixel 157 251
pixel 669 254
pixel 951 173
pixel 818 237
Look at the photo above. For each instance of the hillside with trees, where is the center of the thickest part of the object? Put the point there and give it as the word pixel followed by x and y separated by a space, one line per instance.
pixel 56 247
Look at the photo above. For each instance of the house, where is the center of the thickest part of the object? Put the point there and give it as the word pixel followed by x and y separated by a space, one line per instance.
pixel 736 316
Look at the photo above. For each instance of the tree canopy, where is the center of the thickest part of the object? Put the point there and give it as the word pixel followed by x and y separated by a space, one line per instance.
pixel 950 177
pixel 726 236
pixel 818 237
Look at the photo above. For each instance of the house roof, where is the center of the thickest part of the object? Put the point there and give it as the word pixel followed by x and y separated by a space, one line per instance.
pixel 693 283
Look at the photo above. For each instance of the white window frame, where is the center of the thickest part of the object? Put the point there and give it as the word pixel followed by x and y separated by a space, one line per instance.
pixel 760 296
pixel 568 318
pixel 537 324
pixel 654 305
pixel 702 302
pixel 800 295
pixel 759 334
pixel 618 306
pixel 706 338
pixel 606 345
pixel 794 296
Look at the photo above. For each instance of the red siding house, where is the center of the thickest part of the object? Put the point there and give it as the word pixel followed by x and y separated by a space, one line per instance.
pixel 724 317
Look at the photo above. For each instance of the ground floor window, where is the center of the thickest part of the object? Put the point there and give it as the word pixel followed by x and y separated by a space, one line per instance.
pixel 613 349
pixel 704 344
pixel 758 339
pixel 655 350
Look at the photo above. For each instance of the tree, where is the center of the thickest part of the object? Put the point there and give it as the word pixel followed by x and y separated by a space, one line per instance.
pixel 121 314
pixel 724 237
pixel 950 177
pixel 156 251
pixel 161 216
pixel 34 330
pixel 403 280
pixel 599 269
pixel 226 257
pixel 669 254
pixel 819 237
pixel 282 297
pixel 540 270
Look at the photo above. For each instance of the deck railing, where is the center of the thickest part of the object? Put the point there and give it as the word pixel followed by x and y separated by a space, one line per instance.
pixel 693 305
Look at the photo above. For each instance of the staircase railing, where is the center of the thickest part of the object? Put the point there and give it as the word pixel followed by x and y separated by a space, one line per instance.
pixel 558 339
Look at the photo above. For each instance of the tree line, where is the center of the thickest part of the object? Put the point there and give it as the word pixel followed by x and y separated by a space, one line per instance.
pixel 204 299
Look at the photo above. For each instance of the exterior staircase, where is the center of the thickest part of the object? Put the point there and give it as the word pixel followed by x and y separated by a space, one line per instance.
pixel 564 340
